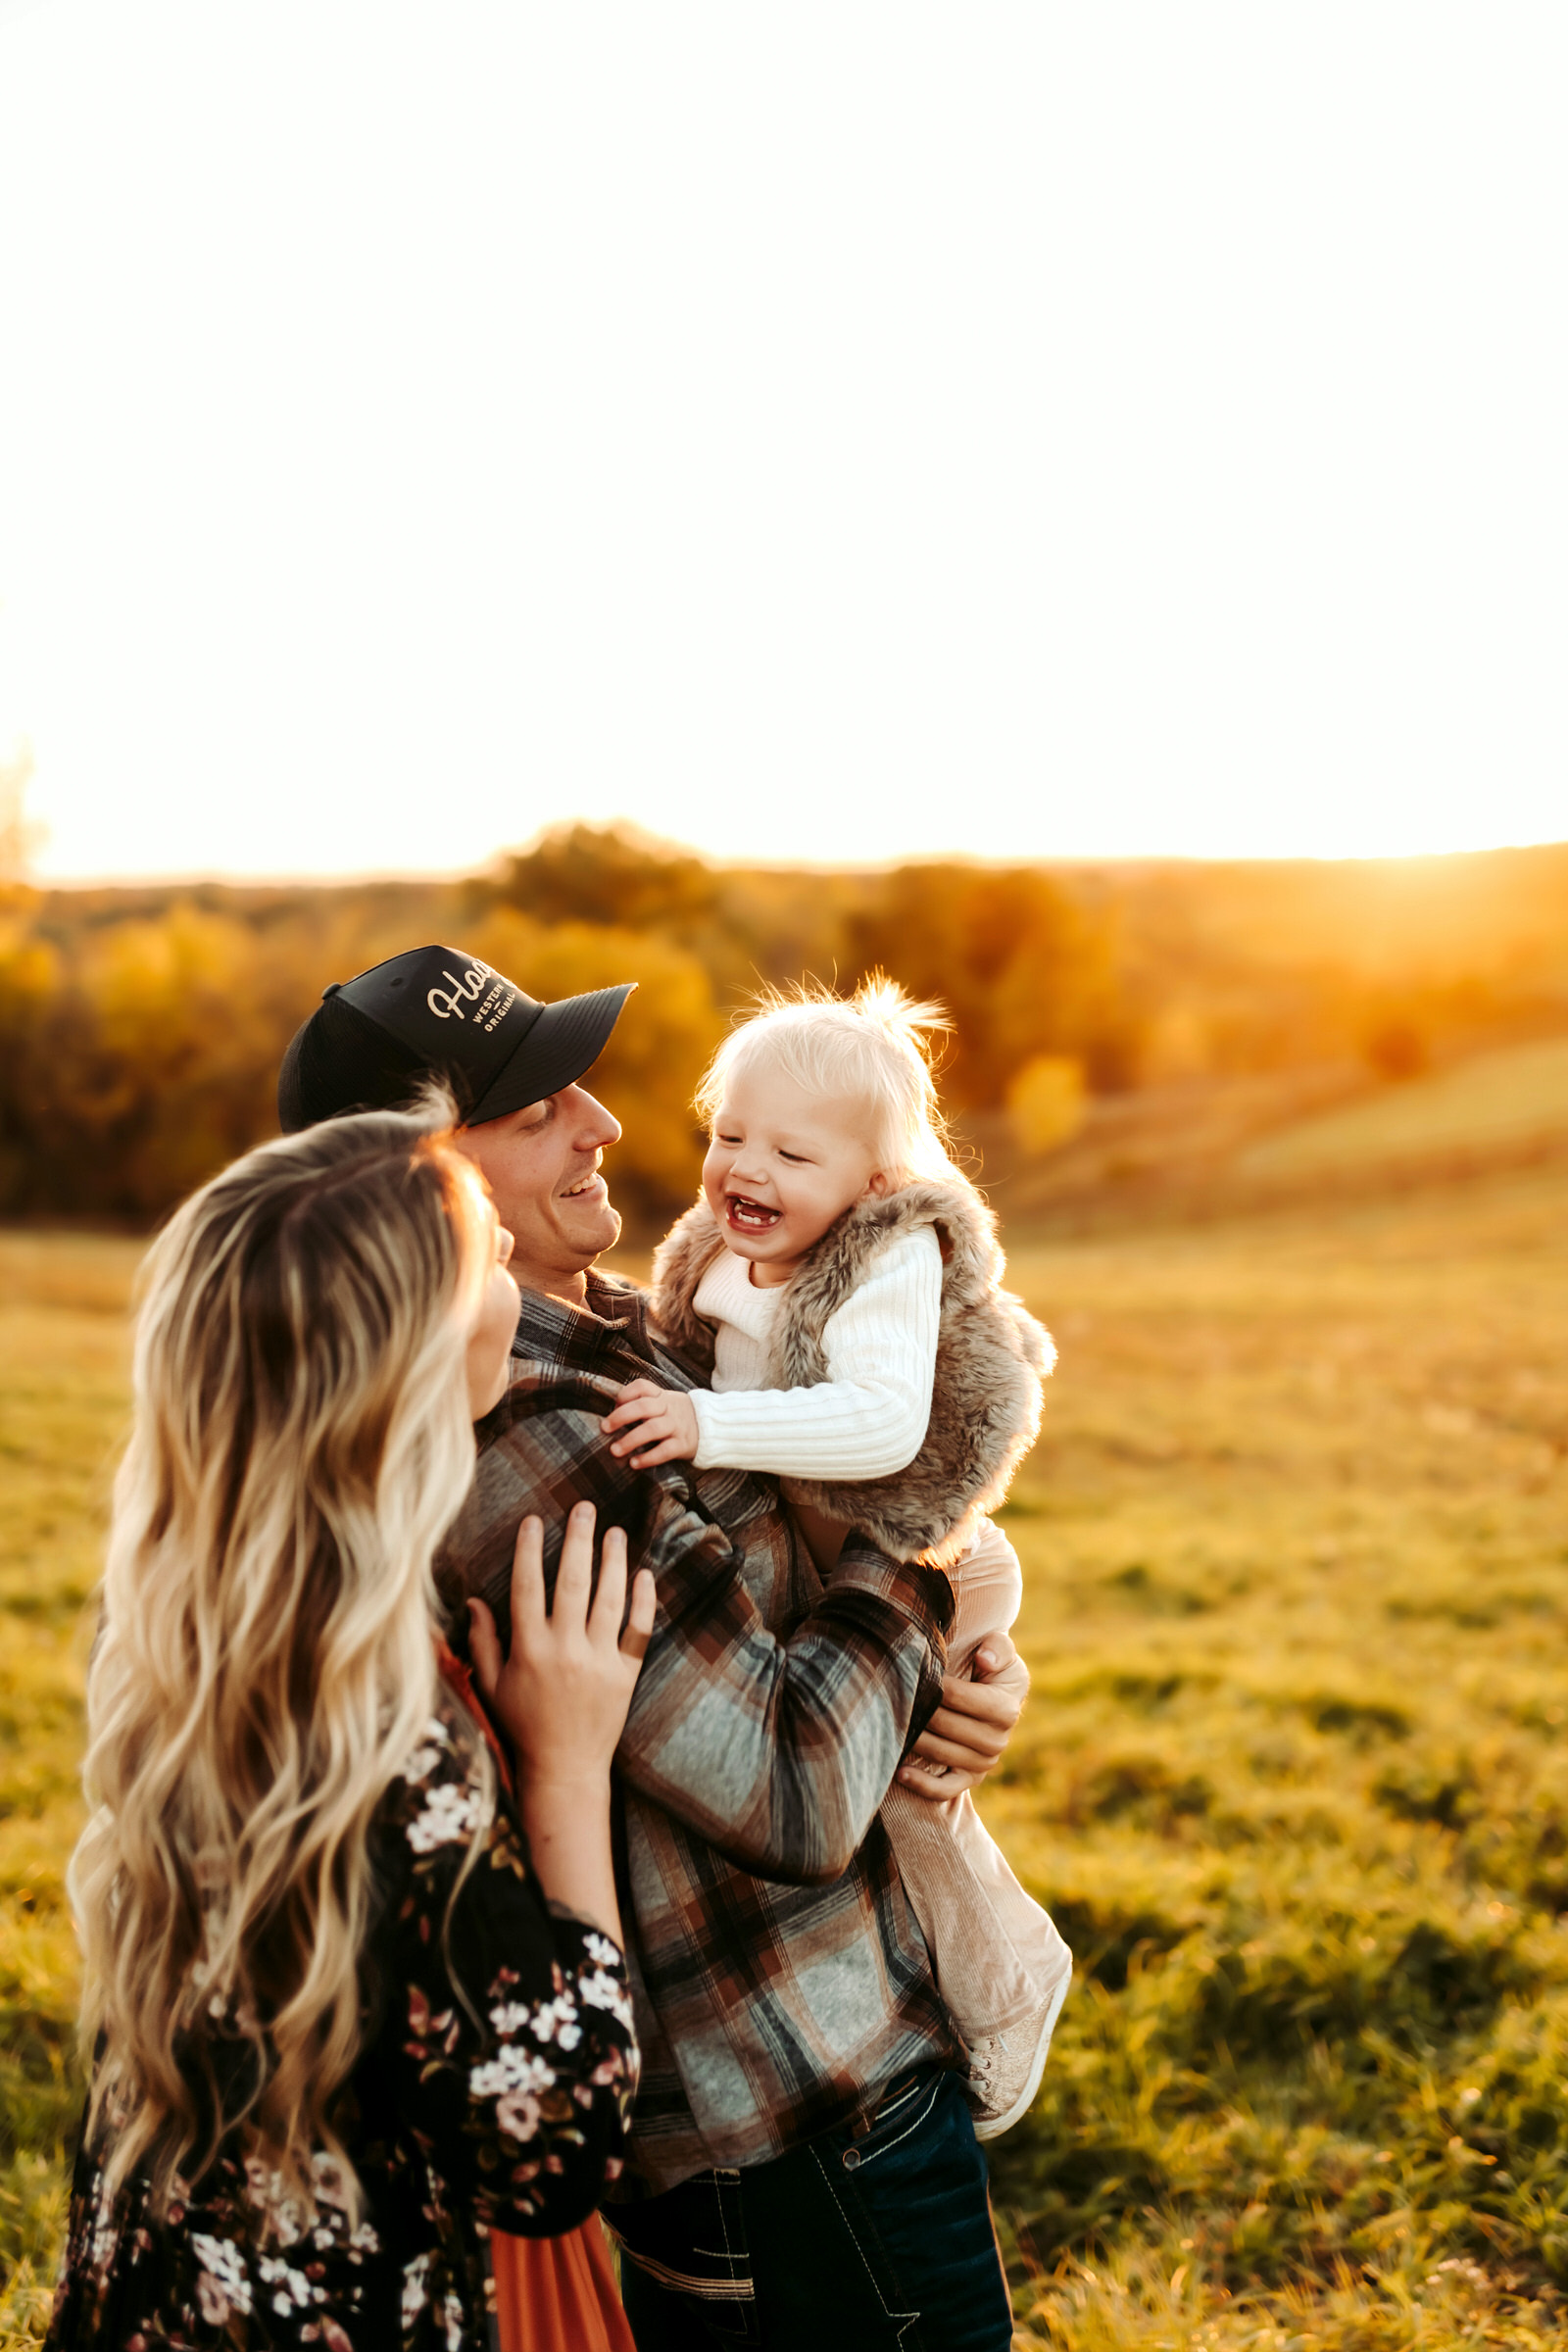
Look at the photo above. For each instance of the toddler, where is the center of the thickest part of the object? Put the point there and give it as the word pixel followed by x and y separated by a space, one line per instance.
pixel 843 1281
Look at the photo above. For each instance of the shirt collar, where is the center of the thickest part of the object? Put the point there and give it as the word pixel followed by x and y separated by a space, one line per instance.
pixel 614 1317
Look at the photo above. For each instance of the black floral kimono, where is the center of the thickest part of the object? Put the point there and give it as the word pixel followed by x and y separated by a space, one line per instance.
pixel 492 2092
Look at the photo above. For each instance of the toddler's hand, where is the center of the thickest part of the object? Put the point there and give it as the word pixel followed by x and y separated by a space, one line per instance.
pixel 663 1423
pixel 965 1738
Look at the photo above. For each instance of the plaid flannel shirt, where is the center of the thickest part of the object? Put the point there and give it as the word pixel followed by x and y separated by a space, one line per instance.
pixel 780 1978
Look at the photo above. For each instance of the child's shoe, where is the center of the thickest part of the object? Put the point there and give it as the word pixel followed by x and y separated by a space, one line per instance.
pixel 1004 2069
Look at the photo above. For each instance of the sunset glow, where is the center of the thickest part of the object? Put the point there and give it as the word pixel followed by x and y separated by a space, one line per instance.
pixel 835 436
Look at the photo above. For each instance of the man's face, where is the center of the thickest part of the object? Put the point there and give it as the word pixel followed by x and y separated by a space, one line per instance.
pixel 542 1166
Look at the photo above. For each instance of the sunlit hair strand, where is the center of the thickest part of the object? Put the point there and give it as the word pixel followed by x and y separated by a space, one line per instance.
pixel 264 1666
pixel 872 1048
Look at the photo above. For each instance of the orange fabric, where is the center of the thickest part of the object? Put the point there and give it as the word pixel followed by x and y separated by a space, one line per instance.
pixel 553 2294
pixel 460 1679
pixel 558 2294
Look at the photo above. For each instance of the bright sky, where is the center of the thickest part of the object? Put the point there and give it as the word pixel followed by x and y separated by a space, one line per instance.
pixel 845 430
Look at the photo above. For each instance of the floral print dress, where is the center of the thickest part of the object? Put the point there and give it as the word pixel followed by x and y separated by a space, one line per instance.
pixel 492 2092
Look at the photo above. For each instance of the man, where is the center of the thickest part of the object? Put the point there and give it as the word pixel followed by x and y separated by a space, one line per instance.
pixel 805 2167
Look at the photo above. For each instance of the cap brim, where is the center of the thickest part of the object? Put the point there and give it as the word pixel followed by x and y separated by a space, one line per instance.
pixel 565 1039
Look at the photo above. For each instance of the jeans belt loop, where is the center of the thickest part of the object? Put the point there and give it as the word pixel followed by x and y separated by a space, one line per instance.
pixel 869 2109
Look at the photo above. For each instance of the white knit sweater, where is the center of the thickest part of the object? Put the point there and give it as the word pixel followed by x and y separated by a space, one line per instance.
pixel 868 1418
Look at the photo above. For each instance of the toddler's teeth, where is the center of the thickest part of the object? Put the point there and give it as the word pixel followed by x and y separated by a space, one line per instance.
pixel 751 1216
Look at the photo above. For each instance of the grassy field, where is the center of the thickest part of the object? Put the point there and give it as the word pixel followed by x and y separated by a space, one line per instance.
pixel 1220 1146
pixel 1292 1778
pixel 1506 1101
pixel 62 1401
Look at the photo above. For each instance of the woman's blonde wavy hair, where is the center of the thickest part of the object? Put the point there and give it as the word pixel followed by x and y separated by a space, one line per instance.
pixel 264 1666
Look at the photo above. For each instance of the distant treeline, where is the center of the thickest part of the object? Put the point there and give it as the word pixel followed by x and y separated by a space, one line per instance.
pixel 141 1029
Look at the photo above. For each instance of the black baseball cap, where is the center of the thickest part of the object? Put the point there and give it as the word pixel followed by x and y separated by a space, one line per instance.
pixel 436 1013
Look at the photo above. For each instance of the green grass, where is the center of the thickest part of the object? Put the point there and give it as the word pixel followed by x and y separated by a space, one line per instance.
pixel 1294 1782
pixel 1500 1102
pixel 63 1398
pixel 1293 1777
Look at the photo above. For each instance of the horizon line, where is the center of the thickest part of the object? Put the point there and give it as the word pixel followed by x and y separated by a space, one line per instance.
pixel 366 877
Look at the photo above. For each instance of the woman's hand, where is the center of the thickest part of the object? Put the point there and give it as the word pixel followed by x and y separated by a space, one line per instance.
pixel 561 1695
pixel 665 1421
pixel 967 1734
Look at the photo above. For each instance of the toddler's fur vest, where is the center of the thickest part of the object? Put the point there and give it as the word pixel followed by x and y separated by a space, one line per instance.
pixel 992 1357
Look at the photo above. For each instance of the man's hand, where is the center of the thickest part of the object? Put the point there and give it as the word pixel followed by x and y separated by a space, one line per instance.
pixel 965 1738
pixel 662 1422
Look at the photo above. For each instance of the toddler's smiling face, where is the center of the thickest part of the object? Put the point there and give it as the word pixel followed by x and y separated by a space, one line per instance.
pixel 783 1164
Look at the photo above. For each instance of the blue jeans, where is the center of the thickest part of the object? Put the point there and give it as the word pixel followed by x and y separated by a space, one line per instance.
pixel 877 2235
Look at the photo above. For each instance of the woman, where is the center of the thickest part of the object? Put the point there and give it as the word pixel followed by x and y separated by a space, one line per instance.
pixel 341 2026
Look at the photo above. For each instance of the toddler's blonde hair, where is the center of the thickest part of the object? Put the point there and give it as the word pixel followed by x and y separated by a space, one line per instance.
pixel 873 1047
